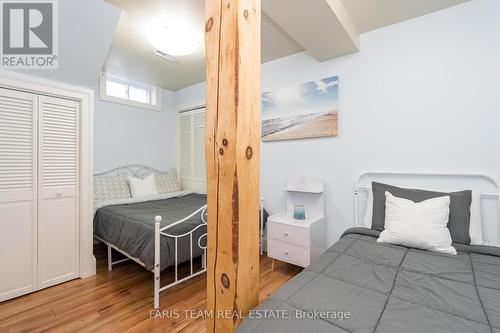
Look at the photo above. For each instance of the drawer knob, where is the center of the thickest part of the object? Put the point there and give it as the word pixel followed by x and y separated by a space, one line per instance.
pixel 286 234
pixel 59 193
pixel 286 253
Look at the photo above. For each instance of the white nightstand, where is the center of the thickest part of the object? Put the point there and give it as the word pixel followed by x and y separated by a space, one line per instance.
pixel 298 242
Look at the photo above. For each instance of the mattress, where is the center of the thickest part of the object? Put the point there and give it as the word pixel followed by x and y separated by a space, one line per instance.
pixel 130 227
pixel 359 285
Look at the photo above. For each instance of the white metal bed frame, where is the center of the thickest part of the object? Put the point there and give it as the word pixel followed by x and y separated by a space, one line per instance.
pixel 486 185
pixel 141 171
pixel 157 269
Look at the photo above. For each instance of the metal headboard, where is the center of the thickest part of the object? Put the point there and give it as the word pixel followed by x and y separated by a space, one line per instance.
pixel 135 170
pixel 446 182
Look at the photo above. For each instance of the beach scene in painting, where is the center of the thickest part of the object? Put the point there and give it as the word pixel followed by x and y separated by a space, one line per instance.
pixel 307 110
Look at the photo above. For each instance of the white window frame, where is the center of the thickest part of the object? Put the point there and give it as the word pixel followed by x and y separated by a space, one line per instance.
pixel 103 77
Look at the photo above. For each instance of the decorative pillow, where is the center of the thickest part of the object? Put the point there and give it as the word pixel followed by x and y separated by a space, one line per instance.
pixel 167 182
pixel 460 202
pixel 142 187
pixel 419 225
pixel 110 188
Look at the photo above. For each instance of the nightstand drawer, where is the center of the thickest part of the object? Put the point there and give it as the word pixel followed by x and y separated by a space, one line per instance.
pixel 288 233
pixel 288 252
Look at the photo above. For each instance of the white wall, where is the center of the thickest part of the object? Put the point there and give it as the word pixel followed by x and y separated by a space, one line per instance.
pixel 123 134
pixel 420 96
pixel 86 30
pixel 130 135
pixel 190 97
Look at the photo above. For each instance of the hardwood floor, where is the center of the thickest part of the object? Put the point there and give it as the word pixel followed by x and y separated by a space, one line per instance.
pixel 121 301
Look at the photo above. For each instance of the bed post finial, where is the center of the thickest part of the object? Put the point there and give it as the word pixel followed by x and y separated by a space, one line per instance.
pixel 157 269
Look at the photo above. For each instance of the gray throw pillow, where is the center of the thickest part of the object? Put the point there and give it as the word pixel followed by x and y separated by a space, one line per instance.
pixel 459 220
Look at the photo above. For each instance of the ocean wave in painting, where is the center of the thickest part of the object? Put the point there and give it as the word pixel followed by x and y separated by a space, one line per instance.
pixel 300 126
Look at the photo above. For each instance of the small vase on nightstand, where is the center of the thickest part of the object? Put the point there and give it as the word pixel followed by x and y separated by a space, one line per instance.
pixel 299 212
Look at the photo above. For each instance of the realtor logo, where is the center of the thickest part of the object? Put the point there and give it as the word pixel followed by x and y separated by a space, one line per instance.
pixel 29 34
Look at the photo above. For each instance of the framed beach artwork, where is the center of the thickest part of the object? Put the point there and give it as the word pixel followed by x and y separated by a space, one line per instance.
pixel 307 110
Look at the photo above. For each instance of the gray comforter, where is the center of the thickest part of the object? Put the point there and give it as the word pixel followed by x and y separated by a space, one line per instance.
pixel 130 227
pixel 387 288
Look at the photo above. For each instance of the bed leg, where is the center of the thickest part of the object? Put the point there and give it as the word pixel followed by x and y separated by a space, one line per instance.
pixel 204 260
pixel 272 265
pixel 110 258
pixel 157 263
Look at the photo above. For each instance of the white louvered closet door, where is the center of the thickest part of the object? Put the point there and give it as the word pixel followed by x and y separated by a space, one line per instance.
pixel 192 150
pixel 17 193
pixel 185 138
pixel 198 149
pixel 58 169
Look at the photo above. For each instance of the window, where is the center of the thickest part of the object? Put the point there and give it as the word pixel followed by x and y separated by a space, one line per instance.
pixel 123 91
pixel 191 150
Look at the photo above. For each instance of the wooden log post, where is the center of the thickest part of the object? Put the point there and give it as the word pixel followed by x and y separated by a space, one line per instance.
pixel 232 37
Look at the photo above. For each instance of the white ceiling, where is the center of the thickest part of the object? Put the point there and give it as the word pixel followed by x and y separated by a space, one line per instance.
pixel 369 15
pixel 284 32
pixel 131 55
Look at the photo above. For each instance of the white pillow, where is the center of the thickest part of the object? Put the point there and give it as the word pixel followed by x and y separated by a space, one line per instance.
pixel 476 226
pixel 420 225
pixel 142 187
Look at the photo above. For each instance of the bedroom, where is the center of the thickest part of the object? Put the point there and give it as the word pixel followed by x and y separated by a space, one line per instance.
pixel 416 108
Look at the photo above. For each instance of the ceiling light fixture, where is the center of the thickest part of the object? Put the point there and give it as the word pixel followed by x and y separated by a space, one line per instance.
pixel 176 39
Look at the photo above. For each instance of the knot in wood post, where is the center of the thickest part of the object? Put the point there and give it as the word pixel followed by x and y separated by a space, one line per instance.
pixel 225 280
pixel 209 25
pixel 249 152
